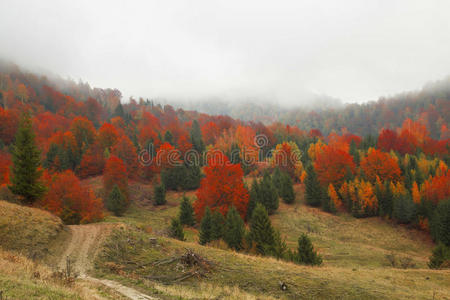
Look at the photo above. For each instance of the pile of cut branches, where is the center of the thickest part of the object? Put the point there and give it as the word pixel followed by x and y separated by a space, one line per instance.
pixel 184 266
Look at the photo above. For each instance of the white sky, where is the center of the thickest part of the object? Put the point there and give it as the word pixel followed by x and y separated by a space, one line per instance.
pixel 353 50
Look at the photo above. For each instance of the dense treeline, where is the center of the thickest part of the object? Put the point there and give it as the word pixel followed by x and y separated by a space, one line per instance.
pixel 74 132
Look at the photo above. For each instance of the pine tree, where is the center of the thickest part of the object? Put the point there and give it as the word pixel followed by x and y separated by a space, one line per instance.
pixel 279 249
pixel 440 223
pixel 268 194
pixel 386 202
pixel 118 111
pixel 277 178
pixel 305 252
pixel 206 227
pixel 186 212
pixel 404 209
pixel 234 229
pixel 287 189
pixel 116 201
pixel 254 199
pixel 440 255
pixel 196 137
pixel 313 189
pixel 176 229
pixel 25 173
pixel 353 151
pixel 217 225
pixel 261 230
pixel 159 192
pixel 192 178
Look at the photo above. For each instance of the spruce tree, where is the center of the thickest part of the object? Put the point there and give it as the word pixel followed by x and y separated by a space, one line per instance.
pixel 404 209
pixel 196 137
pixel 206 227
pixel 118 111
pixel 116 201
pixel 440 223
pixel 186 212
pixel 440 255
pixel 192 177
pixel 261 230
pixel 268 194
pixel 234 229
pixel 287 189
pixel 217 225
pixel 353 151
pixel 314 191
pixel 25 173
pixel 254 199
pixel 305 252
pixel 176 229
pixel 277 178
pixel 279 249
pixel 159 192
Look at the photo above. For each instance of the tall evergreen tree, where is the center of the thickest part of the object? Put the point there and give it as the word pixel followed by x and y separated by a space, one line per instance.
pixel 186 212
pixel 314 191
pixel 277 178
pixel 25 173
pixel 262 233
pixel 353 151
pixel 386 202
pixel 119 112
pixel 116 201
pixel 196 137
pixel 305 252
pixel 254 199
pixel 206 227
pixel 217 225
pixel 268 194
pixel 440 223
pixel 234 229
pixel 287 189
pixel 159 192
pixel 176 229
pixel 404 209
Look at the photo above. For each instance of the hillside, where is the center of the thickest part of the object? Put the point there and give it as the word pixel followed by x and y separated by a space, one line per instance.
pixel 356 255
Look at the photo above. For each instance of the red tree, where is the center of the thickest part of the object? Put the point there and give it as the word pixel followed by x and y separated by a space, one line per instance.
pixel 381 164
pixel 221 188
pixel 107 135
pixel 332 165
pixel 125 150
pixel 68 199
pixel 115 174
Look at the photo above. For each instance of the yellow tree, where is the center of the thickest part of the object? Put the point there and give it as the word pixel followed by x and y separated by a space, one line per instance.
pixel 334 196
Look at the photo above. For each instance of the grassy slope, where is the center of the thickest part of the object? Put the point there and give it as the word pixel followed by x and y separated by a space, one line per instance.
pixel 35 233
pixel 354 252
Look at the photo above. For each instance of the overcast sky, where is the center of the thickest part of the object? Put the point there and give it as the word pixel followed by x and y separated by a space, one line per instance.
pixel 352 50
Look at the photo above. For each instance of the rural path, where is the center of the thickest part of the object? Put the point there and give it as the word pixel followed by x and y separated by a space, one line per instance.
pixel 83 245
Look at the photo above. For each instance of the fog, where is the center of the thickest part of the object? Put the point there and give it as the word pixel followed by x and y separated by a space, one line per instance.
pixel 279 51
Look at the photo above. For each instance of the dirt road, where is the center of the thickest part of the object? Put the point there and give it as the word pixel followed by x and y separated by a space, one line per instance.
pixel 82 248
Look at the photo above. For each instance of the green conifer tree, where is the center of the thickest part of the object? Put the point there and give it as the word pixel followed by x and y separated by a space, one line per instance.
pixel 287 189
pixel 159 192
pixel 206 227
pixel 196 137
pixel 254 199
pixel 176 229
pixel 268 194
pixel 217 225
pixel 261 230
pixel 116 201
pixel 305 252
pixel 234 229
pixel 312 187
pixel 186 212
pixel 25 175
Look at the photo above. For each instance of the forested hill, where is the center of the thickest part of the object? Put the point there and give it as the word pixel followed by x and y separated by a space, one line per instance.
pixel 430 106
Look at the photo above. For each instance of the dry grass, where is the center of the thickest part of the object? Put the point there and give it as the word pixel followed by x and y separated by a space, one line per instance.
pixel 27 230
